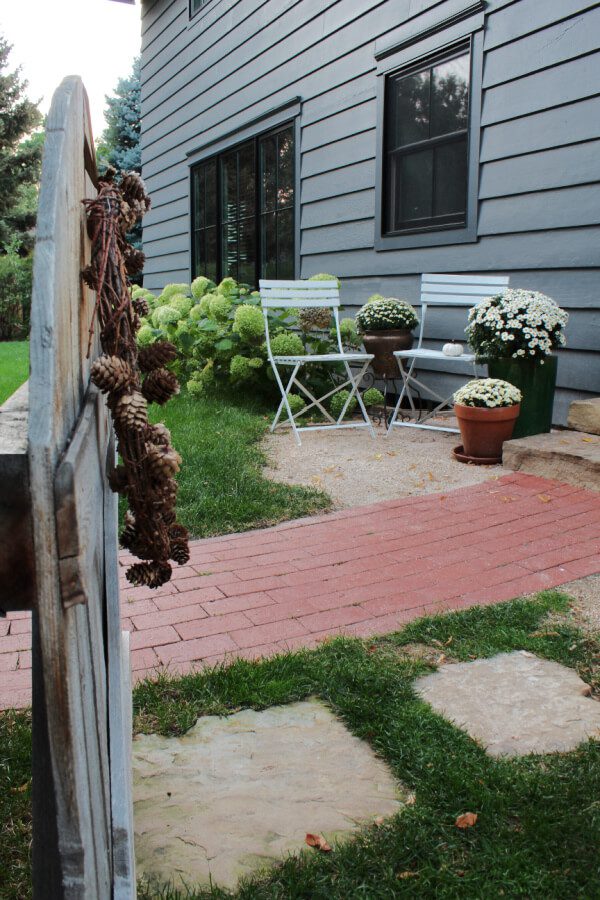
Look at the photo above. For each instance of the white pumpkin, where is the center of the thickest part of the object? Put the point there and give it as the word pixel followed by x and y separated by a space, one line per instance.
pixel 452 349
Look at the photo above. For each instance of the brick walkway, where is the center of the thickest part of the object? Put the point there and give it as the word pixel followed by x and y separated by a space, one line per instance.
pixel 362 571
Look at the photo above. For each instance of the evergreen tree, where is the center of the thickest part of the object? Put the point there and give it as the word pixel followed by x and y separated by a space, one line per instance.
pixel 20 159
pixel 119 145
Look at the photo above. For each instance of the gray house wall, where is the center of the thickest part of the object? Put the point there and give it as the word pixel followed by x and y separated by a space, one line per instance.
pixel 538 218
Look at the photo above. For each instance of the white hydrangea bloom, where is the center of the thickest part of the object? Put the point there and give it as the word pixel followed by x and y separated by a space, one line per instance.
pixel 488 392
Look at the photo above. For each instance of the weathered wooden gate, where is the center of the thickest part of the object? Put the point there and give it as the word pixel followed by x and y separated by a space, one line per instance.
pixel 64 516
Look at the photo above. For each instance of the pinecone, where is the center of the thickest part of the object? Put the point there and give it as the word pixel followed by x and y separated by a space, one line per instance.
pixel 159 386
pixel 133 188
pixel 163 462
pixel 140 305
pixel 89 276
pixel 179 536
pixel 156 355
pixel 128 536
pixel 159 434
pixel 110 373
pixel 151 574
pixel 134 260
pixel 131 411
pixel 314 317
pixel 164 499
pixel 117 480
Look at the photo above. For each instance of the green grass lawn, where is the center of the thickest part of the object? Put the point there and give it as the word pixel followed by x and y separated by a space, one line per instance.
pixel 538 827
pixel 14 366
pixel 221 485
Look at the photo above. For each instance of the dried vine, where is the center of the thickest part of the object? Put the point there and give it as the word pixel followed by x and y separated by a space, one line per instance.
pixel 131 380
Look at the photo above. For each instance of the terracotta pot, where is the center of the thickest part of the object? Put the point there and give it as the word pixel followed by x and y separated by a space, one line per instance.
pixel 484 430
pixel 382 344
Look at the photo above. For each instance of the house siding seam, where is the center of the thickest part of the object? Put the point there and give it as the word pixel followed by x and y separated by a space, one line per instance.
pixel 539 160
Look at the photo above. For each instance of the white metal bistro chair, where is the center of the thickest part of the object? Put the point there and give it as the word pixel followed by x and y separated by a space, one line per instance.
pixel 304 295
pixel 439 291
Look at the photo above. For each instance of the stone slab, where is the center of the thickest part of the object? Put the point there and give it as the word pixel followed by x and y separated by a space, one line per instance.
pixel 237 793
pixel 584 415
pixel 515 703
pixel 567 456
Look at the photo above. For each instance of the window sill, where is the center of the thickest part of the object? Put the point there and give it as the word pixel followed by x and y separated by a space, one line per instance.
pixel 433 238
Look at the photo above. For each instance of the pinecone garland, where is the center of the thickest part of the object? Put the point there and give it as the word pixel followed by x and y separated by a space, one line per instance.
pixel 180 551
pixel 128 536
pixel 163 462
pixel 159 386
pixel 140 305
pixel 131 411
pixel 159 434
pixel 156 355
pixel 134 260
pixel 133 188
pixel 117 480
pixel 89 276
pixel 315 317
pixel 111 373
pixel 149 574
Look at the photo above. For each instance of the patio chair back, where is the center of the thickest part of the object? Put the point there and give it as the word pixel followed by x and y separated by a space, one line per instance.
pixel 457 290
pixel 300 295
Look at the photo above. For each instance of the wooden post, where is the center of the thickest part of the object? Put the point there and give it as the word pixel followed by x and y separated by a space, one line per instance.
pixel 67 516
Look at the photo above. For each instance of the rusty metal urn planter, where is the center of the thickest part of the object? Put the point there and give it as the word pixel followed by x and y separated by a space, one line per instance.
pixel 382 345
pixel 483 431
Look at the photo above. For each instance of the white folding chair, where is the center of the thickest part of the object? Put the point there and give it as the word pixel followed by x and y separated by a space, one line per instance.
pixel 439 291
pixel 304 295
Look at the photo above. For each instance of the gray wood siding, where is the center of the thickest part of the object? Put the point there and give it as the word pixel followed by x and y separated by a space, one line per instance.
pixel 539 179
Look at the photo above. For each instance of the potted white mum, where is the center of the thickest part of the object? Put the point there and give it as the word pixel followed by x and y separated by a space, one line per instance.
pixel 486 409
pixel 516 333
pixel 386 325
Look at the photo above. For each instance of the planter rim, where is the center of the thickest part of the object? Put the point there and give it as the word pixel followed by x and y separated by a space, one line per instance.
pixel 496 413
pixel 388 331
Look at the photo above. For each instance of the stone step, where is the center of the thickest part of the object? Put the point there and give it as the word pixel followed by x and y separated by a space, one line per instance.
pixel 569 456
pixel 584 415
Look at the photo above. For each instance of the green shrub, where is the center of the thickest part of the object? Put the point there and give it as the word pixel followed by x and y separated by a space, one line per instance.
pixel 287 344
pixel 248 322
pixel 15 294
pixel 336 403
pixel 373 397
pixel 296 403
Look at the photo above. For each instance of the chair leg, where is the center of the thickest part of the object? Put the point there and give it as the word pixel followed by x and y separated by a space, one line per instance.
pixel 285 402
pixel 404 392
pixel 355 384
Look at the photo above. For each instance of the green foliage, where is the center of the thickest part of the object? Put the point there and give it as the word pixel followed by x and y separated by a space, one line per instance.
pixel 14 367
pixel 201 286
pixel 336 403
pixel 15 293
pixel 242 368
pixel 373 397
pixel 296 403
pixel 386 313
pixel 20 154
pixel 119 145
pixel 287 344
pixel 248 322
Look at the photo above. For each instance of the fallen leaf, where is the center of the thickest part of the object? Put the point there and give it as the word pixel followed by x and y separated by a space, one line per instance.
pixel 467 820
pixel 378 821
pixel 339 475
pixel 411 800
pixel 431 476
pixel 588 440
pixel 407 874
pixel 449 641
pixel 441 659
pixel 419 484
pixel 391 452
pixel 329 469
pixel 544 498
pixel 507 499
pixel 21 789
pixel 586 691
pixel 316 479
pixel 318 842
pixel 378 456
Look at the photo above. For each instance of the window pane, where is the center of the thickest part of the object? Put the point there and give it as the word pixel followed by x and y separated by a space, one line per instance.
pixel 285 172
pixel 247 252
pixel 229 187
pixel 285 243
pixel 229 250
pixel 199 260
pixel 450 178
pixel 268 173
pixel 247 184
pixel 408 109
pixel 450 96
pixel 210 269
pixel 210 176
pixel 198 190
pixel 413 188
pixel 268 245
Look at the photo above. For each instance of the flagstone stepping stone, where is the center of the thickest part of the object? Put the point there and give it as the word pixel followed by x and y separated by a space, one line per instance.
pixel 239 792
pixel 515 703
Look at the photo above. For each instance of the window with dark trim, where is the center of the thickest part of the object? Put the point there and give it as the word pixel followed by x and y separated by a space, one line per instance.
pixel 426 144
pixel 243 210
pixel 197 5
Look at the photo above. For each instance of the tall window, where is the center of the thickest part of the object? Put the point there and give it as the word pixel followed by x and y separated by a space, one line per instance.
pixel 243 211
pixel 426 151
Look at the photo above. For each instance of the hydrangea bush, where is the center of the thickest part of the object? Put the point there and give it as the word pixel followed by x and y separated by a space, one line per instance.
pixel 516 324
pixel 385 313
pixel 219 331
pixel 488 392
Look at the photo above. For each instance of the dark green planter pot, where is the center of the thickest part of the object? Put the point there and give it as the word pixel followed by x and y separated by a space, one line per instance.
pixel 537 383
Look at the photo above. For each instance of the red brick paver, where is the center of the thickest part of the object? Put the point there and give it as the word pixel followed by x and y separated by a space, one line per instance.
pixel 362 572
